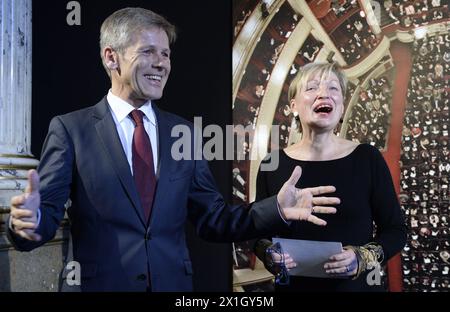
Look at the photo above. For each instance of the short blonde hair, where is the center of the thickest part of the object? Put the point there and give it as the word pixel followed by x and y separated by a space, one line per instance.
pixel 118 29
pixel 323 69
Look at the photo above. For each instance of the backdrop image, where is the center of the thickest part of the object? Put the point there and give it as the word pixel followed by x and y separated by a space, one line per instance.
pixel 396 57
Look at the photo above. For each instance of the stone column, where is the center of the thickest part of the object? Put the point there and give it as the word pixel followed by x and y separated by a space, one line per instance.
pixel 372 12
pixel 38 270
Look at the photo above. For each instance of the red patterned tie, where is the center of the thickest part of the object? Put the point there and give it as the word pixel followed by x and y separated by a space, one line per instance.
pixel 143 169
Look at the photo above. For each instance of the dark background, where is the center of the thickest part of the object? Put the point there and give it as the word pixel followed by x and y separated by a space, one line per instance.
pixel 68 75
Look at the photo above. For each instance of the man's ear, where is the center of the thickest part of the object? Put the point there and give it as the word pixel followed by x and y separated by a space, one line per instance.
pixel 111 58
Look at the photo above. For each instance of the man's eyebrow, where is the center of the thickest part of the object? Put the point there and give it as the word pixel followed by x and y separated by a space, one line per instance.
pixel 150 46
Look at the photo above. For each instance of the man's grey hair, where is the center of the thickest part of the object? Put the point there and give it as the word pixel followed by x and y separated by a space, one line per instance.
pixel 118 29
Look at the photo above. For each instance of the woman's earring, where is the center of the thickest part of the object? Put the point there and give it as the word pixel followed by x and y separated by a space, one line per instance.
pixel 296 116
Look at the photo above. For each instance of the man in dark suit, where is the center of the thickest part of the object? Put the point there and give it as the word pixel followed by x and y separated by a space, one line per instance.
pixel 130 198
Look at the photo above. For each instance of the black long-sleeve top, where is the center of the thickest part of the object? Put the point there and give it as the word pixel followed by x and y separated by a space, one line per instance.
pixel 364 185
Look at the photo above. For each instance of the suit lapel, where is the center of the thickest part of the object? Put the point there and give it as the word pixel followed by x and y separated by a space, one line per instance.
pixel 106 130
pixel 164 150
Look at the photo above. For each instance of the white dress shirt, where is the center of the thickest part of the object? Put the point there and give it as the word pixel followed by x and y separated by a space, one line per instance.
pixel 125 126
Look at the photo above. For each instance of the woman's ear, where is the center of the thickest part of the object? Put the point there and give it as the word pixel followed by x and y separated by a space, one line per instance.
pixel 293 105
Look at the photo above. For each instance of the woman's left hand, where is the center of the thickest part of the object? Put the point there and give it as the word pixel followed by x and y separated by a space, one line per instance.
pixel 344 263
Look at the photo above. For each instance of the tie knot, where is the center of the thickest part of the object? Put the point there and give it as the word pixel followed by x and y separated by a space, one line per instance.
pixel 138 116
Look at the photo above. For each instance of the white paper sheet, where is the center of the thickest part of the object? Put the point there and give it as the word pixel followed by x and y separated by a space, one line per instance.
pixel 310 256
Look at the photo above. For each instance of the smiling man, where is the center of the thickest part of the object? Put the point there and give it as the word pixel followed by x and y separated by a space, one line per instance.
pixel 130 198
pixel 138 65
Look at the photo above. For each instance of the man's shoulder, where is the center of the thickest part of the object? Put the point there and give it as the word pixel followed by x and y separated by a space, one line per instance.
pixel 82 114
pixel 173 119
pixel 78 114
pixel 80 119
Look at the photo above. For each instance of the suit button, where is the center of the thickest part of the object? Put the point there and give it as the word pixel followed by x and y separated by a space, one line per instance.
pixel 141 277
pixel 148 236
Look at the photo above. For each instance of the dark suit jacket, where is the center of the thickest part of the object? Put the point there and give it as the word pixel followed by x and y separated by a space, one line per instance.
pixel 83 159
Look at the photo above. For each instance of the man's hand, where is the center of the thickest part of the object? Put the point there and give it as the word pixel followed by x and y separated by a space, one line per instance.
pixel 300 204
pixel 24 209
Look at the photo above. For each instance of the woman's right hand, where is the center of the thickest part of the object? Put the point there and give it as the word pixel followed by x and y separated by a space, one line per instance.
pixel 275 261
pixel 288 261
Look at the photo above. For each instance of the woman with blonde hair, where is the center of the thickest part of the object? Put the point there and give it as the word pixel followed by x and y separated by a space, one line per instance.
pixel 363 183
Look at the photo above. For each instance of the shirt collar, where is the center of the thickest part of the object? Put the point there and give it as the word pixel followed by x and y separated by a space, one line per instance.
pixel 121 109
